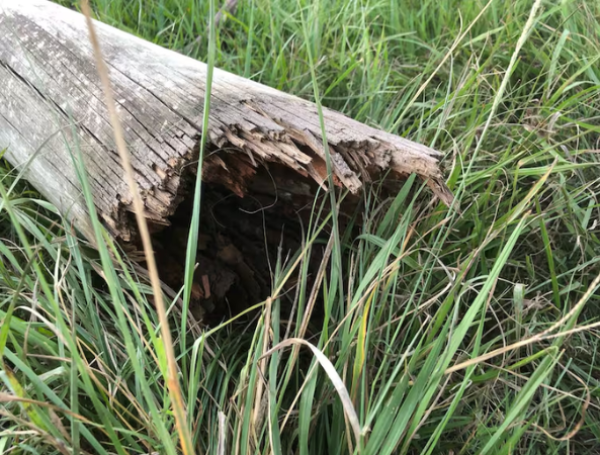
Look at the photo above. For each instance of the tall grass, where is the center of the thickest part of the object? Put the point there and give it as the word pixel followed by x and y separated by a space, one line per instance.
pixel 424 330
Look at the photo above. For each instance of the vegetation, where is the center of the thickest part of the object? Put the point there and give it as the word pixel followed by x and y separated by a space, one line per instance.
pixel 470 329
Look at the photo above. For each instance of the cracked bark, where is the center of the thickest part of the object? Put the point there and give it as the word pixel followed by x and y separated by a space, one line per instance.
pixel 52 108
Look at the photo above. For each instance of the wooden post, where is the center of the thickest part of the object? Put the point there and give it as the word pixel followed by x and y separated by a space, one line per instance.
pixel 52 109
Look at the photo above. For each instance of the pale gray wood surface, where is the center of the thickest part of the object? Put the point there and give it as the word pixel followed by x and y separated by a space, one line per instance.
pixel 51 107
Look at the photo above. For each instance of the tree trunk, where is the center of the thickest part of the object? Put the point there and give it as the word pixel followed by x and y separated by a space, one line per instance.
pixel 52 109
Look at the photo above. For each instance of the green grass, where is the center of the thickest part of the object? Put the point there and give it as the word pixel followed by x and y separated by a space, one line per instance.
pixel 422 288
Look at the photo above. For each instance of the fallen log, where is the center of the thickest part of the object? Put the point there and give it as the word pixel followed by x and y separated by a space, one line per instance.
pixel 52 108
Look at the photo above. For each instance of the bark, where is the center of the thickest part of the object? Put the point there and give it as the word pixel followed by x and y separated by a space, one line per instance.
pixel 52 111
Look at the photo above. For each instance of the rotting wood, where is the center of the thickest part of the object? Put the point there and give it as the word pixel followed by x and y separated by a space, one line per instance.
pixel 52 108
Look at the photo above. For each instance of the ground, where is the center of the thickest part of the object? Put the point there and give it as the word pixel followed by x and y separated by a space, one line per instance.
pixel 467 329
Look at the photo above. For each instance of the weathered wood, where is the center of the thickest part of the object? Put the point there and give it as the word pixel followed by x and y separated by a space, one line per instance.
pixel 51 107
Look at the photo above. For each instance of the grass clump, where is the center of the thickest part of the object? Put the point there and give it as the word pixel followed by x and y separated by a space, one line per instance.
pixel 430 318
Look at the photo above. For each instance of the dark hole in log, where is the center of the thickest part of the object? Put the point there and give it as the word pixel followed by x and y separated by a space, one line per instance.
pixel 240 239
pixel 251 217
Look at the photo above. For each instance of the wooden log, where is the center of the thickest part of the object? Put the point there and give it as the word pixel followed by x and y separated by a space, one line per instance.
pixel 52 108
